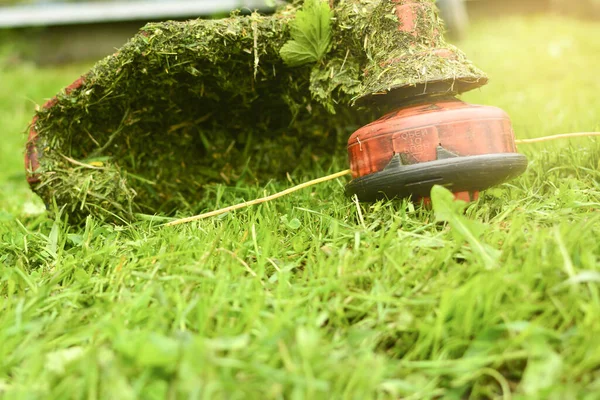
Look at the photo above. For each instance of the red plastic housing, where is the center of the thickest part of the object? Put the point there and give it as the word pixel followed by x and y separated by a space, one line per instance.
pixel 416 131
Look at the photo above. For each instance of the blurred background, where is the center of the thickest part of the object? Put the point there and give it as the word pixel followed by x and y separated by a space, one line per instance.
pixel 62 31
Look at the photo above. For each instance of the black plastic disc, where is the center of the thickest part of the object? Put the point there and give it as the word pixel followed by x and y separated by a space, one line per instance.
pixel 459 174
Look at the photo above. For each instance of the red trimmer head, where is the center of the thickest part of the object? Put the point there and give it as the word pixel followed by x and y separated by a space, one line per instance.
pixel 447 142
pixel 432 138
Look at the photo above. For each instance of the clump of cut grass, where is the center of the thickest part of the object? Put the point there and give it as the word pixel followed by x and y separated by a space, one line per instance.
pixel 185 105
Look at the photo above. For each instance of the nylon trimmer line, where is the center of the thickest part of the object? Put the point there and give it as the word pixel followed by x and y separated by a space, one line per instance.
pixel 339 175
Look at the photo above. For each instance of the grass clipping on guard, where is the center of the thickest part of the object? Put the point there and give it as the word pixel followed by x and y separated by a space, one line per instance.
pixel 187 104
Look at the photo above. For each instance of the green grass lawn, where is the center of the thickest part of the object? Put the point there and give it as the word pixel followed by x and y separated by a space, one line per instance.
pixel 312 296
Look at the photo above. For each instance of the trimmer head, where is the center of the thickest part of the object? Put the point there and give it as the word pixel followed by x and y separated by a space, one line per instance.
pixel 447 142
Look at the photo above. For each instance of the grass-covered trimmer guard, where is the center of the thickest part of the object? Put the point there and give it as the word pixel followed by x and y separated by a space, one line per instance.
pixel 184 104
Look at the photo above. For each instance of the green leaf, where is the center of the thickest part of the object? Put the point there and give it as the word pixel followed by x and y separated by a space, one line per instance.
pixel 294 224
pixel 311 34
pixel 149 349
pixel 448 209
pixel 59 360
pixel 229 343
pixel 543 370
